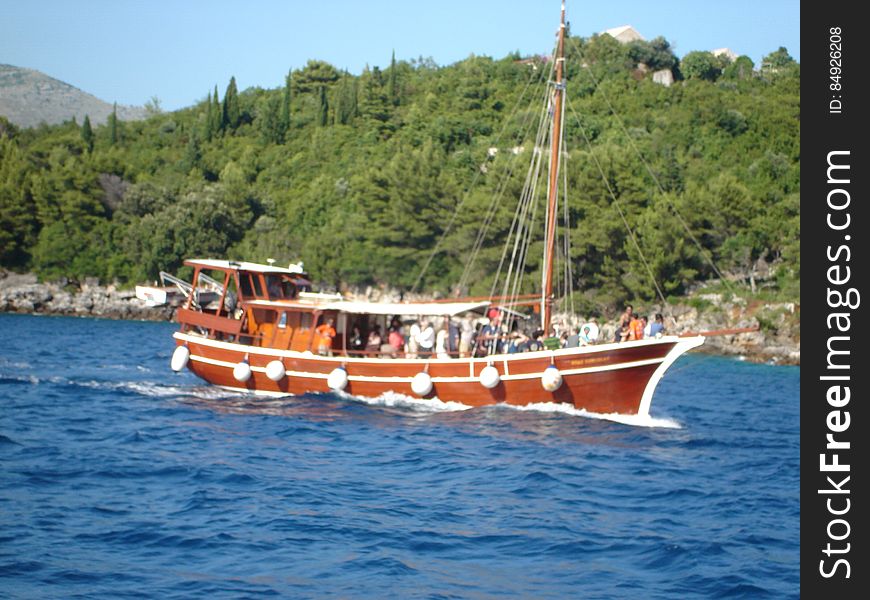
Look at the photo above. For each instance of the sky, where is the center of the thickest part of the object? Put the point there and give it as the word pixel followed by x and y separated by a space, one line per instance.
pixel 130 51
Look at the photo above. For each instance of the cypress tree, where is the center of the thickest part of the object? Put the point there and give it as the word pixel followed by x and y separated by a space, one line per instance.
pixel 192 154
pixel 231 112
pixel 208 132
pixel 393 87
pixel 284 116
pixel 346 108
pixel 88 134
pixel 113 125
pixel 216 114
pixel 324 107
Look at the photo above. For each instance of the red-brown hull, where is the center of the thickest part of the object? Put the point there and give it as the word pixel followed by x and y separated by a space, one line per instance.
pixel 612 378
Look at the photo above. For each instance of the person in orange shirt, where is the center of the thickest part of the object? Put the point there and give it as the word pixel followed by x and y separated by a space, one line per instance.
pixel 635 328
pixel 325 332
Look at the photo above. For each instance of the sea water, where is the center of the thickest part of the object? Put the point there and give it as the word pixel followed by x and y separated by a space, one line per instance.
pixel 122 479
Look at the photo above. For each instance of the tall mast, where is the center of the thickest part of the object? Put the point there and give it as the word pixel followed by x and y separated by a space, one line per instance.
pixel 553 184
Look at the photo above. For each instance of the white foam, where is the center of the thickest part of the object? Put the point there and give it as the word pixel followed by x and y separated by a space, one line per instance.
pixel 634 420
pixel 152 389
pixel 397 400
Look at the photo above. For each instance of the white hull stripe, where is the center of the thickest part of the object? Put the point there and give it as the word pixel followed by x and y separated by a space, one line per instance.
pixel 348 361
pixel 506 377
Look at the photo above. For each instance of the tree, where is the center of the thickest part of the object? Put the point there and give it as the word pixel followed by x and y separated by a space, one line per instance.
pixel 777 62
pixel 269 120
pixel 153 107
pixel 88 134
pixel 777 59
pixel 284 116
pixel 216 123
pixel 701 65
pixel 113 125
pixel 346 104
pixel 741 68
pixel 314 75
pixel 656 53
pixel 393 89
pixel 193 152
pixel 323 110
pixel 231 112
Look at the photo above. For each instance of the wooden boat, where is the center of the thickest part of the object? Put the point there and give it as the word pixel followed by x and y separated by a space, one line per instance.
pixel 261 336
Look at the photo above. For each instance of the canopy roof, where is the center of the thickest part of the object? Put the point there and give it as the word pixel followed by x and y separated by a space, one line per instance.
pixel 441 309
pixel 229 265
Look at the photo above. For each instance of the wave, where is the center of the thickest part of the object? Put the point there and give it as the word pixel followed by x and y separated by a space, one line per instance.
pixel 398 400
pixel 633 420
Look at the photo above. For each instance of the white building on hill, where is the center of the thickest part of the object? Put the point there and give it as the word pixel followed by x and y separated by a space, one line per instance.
pixel 726 52
pixel 624 34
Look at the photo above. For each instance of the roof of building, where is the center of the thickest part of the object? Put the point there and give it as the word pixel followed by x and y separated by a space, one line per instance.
pixel 623 33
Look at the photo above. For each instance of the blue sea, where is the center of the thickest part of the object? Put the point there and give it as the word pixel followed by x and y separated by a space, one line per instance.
pixel 122 479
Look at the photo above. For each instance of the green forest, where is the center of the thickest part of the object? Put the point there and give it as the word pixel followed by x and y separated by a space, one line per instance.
pixel 361 176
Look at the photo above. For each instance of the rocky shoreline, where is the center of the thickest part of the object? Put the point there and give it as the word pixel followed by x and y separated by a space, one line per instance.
pixel 776 339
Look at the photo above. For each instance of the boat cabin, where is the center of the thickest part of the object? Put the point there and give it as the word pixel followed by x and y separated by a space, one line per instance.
pixel 274 307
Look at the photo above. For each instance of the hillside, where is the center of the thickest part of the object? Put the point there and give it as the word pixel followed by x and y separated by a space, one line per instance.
pixel 361 177
pixel 28 98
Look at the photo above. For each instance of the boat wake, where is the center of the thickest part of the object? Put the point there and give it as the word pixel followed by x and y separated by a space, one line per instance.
pixel 434 405
pixel 397 400
pixel 633 420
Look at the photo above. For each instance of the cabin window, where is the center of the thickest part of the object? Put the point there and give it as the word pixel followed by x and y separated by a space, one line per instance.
pixel 258 286
pixel 282 321
pixel 273 286
pixel 289 288
pixel 245 283
pixel 264 315
pixel 306 321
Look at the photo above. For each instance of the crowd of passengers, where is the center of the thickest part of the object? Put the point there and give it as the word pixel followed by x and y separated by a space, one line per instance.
pixel 447 337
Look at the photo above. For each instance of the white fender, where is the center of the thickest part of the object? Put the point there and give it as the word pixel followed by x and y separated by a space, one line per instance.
pixel 275 370
pixel 489 377
pixel 242 371
pixel 421 384
pixel 180 358
pixel 551 379
pixel 337 379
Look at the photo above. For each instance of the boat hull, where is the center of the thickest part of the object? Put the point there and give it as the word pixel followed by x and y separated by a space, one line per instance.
pixel 608 378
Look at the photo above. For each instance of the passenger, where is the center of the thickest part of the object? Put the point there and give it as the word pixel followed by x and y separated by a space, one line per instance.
pixel 585 337
pixel 356 340
pixel 395 339
pixel 572 340
pixel 441 342
pixel 373 343
pixel 622 324
pixel 425 339
pixel 635 328
pixel 624 321
pixel 656 327
pixel 519 342
pixel 478 348
pixel 488 338
pixel 452 336
pixel 413 337
pixel 325 333
pixel 466 337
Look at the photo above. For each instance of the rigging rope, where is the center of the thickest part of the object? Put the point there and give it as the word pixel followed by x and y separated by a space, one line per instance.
pixel 619 208
pixel 459 206
pixel 705 253
pixel 484 229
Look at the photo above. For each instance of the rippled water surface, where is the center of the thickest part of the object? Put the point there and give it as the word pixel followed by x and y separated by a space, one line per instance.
pixel 121 479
